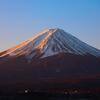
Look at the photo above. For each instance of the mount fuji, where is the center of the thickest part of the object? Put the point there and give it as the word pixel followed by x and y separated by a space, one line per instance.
pixel 50 58
pixel 51 42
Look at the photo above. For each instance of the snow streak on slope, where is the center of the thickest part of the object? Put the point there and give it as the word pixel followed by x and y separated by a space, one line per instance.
pixel 51 42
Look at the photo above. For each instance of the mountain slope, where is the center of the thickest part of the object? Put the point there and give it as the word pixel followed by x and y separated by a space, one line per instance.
pixel 61 71
pixel 51 42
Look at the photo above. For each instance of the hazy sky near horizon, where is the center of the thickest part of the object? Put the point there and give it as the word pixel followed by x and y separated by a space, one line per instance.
pixel 22 19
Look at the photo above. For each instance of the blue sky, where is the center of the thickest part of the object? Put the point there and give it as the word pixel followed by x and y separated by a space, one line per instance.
pixel 22 19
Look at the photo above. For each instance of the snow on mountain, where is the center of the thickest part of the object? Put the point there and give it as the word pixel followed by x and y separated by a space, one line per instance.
pixel 51 42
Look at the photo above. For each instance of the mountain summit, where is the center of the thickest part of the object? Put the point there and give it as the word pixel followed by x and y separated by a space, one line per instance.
pixel 51 42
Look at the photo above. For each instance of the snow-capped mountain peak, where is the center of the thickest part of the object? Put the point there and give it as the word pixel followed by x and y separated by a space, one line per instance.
pixel 51 42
